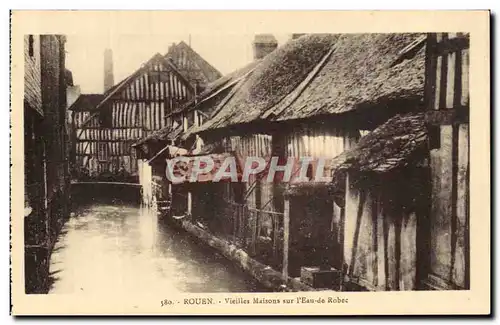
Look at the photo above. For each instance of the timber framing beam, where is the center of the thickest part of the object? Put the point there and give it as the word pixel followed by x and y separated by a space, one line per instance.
pixel 447 45
pixel 458 115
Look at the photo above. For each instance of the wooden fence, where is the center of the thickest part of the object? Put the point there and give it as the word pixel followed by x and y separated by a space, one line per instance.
pixel 247 231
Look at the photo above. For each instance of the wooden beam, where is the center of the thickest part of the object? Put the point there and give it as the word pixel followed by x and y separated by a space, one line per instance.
pixel 457 115
pixel 286 236
pixel 449 45
pixel 113 128
pixel 106 183
pixel 189 203
pixel 104 140
pixel 430 70
pixel 355 241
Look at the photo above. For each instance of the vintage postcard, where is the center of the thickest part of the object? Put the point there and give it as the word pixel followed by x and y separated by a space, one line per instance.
pixel 250 163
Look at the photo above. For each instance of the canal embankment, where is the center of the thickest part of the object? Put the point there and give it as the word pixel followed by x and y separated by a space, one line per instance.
pixel 266 275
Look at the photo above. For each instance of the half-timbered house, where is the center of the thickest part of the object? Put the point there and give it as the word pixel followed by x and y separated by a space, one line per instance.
pixel 177 139
pixel 78 112
pixel 136 107
pixel 447 101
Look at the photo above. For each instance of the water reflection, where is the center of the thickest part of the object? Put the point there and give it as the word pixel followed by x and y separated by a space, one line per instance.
pixel 111 248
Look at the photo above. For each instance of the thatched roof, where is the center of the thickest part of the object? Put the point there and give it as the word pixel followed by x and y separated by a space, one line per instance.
pixel 86 102
pixel 364 70
pixel 276 76
pixel 328 74
pixel 217 86
pixel 391 145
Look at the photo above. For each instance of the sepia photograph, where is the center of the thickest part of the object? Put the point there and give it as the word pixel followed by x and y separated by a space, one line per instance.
pixel 275 162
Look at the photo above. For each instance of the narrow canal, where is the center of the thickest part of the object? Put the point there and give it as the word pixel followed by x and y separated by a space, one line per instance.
pixel 122 248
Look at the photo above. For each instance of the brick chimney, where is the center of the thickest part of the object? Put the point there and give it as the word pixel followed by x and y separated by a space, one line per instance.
pixel 109 80
pixel 263 44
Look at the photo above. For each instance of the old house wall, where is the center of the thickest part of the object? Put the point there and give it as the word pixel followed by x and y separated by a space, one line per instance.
pixel 33 119
pixel 258 216
pixel 46 154
pixel 316 217
pixel 32 72
pixel 243 212
pixel 254 145
pixel 447 98
pixel 54 103
pixel 318 142
pixel 139 109
pixel 261 202
pixel 449 232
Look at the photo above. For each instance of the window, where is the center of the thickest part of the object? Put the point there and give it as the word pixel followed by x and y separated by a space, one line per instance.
pixel 31 51
pixel 105 119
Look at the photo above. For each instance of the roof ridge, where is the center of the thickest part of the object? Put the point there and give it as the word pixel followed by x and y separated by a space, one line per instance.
pixel 200 58
pixel 217 86
pixel 228 97
pixel 226 86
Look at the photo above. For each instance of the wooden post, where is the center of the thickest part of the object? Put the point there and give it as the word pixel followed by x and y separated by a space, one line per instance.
pixel 286 235
pixel 184 123
pixel 196 117
pixel 338 231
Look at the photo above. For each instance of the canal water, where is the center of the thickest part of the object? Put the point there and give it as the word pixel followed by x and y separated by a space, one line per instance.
pixel 117 248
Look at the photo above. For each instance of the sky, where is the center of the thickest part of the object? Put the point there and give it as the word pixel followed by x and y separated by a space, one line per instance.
pixel 85 53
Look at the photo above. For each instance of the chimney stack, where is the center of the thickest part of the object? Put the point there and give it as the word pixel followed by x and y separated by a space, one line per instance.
pixel 109 80
pixel 263 44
